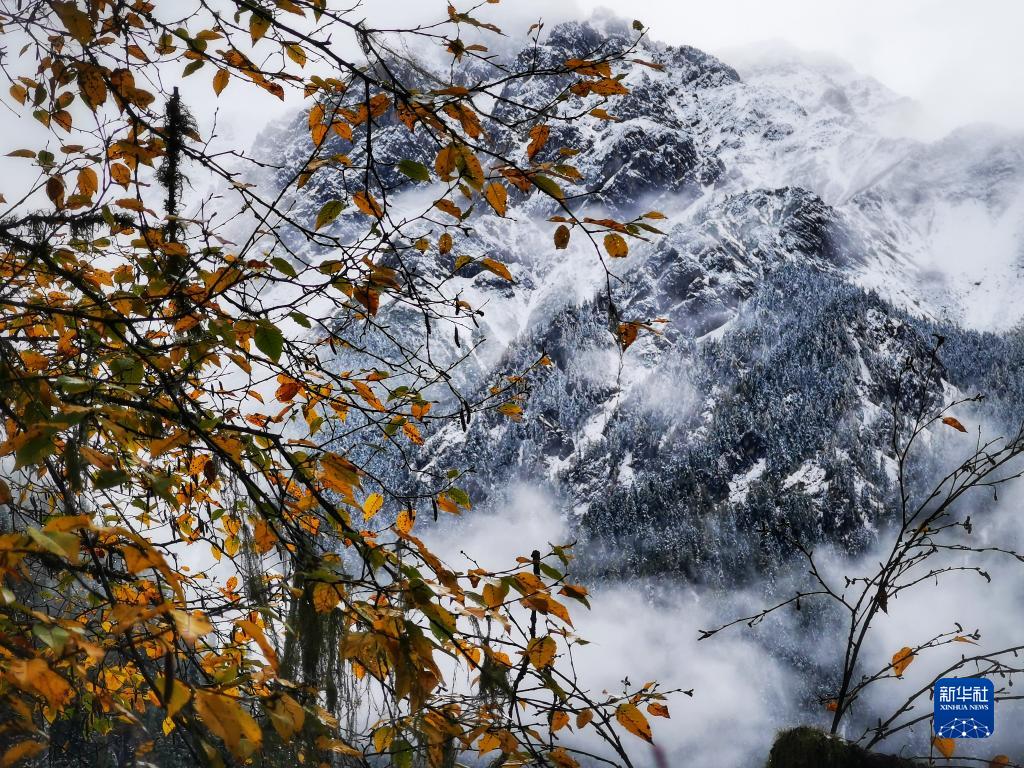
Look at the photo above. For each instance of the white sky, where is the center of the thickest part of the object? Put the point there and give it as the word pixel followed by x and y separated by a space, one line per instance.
pixel 961 60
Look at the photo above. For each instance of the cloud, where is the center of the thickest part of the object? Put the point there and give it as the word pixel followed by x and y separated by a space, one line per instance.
pixel 959 61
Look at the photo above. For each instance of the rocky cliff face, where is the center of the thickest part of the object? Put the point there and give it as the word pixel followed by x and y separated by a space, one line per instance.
pixel 807 254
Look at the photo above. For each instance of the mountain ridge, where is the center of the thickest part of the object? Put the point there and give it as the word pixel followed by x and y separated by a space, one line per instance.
pixel 802 263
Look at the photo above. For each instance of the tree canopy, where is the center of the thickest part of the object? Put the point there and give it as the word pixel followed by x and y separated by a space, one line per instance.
pixel 195 555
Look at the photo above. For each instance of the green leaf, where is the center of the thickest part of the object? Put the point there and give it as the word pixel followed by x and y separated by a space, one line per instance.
pixel 328 213
pixel 54 636
pixel 301 319
pixel 546 184
pixel 72 385
pixel 36 448
pixel 270 341
pixel 110 478
pixel 61 544
pixel 283 266
pixel 401 754
pixel 415 171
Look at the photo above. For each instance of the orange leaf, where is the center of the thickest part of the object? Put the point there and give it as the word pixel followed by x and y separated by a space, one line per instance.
pixel 21 751
pixel 558 721
pixel 946 746
pixel 220 81
pixel 658 710
pixel 497 196
pixel 541 651
pixel 405 521
pixel 633 720
pixel 325 597
pixel 615 245
pixel 36 677
pixel 949 421
pixel 538 138
pixel 561 237
pixel 497 268
pixel 368 204
pixel 901 660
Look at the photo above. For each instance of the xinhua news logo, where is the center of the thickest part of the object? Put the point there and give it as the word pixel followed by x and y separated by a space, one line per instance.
pixel 964 708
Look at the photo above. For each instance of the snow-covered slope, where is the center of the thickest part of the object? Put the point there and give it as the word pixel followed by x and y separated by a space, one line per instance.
pixel 810 251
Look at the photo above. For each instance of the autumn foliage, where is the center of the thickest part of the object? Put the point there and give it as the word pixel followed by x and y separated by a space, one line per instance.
pixel 192 554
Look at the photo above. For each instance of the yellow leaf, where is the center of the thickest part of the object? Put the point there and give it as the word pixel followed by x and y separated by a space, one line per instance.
pixel 226 718
pixel 513 411
pixel 258 26
pixel 633 720
pixel 998 761
pixel 367 394
pixel 191 626
pixel 88 182
pixel 263 537
pixel 76 21
pixel 444 243
pixel 36 677
pixel 949 421
pixel 541 651
pixel 560 757
pixel 583 718
pixel 255 631
pixel 559 720
pixel 120 174
pixel 446 205
pixel 382 738
pixel 469 165
pixel 445 162
pixel 325 596
pixel 413 433
pixel 296 53
pixel 945 746
pixel 901 660
pixel 372 505
pixel 180 695
pixel 286 715
pixel 497 197
pixel 405 521
pixel 494 595
pixel 21 751
pixel 615 245
pixel 5 492
pixel 497 268
pixel 220 81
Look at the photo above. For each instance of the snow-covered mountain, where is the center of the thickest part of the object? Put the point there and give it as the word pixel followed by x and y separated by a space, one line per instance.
pixel 810 250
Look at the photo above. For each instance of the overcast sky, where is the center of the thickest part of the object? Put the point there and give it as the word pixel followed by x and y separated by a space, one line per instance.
pixel 962 60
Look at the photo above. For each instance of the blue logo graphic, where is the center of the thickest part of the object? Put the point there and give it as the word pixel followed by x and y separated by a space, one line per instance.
pixel 964 708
